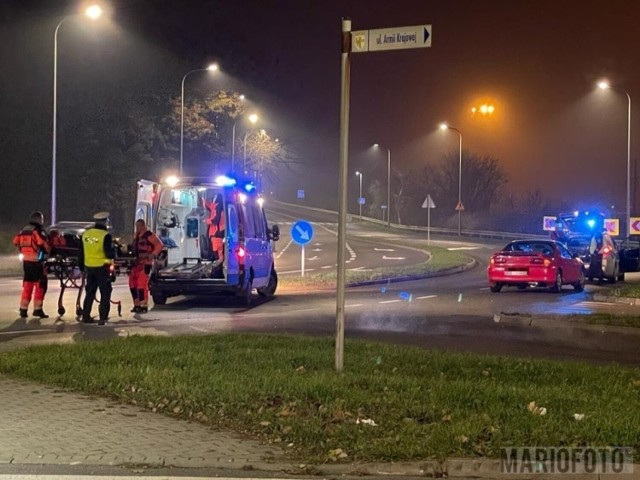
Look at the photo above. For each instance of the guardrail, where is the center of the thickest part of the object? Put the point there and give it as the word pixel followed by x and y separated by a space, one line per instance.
pixel 416 228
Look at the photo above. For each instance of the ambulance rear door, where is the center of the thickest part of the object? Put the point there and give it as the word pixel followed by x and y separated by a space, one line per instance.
pixel 145 197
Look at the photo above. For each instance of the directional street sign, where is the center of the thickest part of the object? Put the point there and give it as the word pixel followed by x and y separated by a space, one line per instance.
pixel 417 36
pixel 612 226
pixel 549 223
pixel 301 232
pixel 300 193
pixel 361 201
pixel 634 226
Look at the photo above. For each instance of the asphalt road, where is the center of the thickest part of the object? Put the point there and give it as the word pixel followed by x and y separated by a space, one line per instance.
pixel 455 312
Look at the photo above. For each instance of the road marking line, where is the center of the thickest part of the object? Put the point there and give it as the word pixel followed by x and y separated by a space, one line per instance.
pixel 464 248
pixel 313 258
pixel 285 248
pixel 426 296
pixel 390 301
pixel 355 305
pixel 384 249
pixel 327 266
pixel 384 257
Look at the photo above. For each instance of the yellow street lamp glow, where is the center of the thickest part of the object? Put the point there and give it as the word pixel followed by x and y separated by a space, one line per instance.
pixel 213 67
pixel 93 12
pixel 473 110
pixel 444 126
pixel 490 109
pixel 253 118
pixel 603 85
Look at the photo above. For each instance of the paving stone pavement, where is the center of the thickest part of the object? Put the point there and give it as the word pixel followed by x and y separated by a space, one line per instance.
pixel 45 425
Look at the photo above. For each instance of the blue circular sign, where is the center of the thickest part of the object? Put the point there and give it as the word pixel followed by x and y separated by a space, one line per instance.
pixel 301 232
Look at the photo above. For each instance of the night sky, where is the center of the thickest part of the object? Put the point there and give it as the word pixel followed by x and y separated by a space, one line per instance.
pixel 537 61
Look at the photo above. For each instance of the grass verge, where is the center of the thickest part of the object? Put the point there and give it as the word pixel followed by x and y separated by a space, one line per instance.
pixel 441 259
pixel 631 290
pixel 608 319
pixel 425 404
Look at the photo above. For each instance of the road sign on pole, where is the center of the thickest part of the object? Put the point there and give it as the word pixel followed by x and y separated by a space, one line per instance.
pixel 398 38
pixel 612 226
pixel 300 194
pixel 549 223
pixel 459 207
pixel 302 233
pixel 634 227
pixel 428 204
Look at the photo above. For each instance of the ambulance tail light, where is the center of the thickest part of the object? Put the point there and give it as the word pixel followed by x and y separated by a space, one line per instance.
pixel 241 253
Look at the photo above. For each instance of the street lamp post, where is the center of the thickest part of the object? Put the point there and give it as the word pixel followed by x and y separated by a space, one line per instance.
pixel 253 118
pixel 375 145
pixel 359 174
pixel 604 85
pixel 211 68
pixel 93 12
pixel 459 207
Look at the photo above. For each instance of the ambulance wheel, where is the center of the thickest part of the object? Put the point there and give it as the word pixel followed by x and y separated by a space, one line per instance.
pixel 159 299
pixel 270 289
pixel 61 311
pixel 246 294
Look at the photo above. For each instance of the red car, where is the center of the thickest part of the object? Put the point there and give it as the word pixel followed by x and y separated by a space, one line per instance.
pixel 535 263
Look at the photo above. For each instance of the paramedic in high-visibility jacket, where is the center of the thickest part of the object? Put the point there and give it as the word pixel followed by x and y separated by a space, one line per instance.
pixel 146 246
pixel 217 222
pixel 96 257
pixel 34 246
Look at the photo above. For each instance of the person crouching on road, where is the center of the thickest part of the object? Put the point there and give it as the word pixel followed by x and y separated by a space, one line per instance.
pixel 146 246
pixel 34 246
pixel 97 256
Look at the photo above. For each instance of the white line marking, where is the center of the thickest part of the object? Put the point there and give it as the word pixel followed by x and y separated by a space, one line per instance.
pixel 426 296
pixel 313 258
pixel 285 248
pixel 316 250
pixel 390 301
pixel 384 249
pixel 355 305
pixel 384 257
pixel 327 266
pixel 13 332
pixel 464 248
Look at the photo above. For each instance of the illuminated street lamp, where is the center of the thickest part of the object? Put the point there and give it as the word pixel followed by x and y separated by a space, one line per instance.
pixel 444 126
pixel 359 174
pixel 253 118
pixel 484 109
pixel 211 68
pixel 375 145
pixel 604 85
pixel 93 12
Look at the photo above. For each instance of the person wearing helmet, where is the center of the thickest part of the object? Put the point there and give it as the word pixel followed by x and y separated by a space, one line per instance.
pixel 96 259
pixel 34 246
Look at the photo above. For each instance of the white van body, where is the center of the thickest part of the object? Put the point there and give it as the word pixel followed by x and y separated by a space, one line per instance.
pixel 176 212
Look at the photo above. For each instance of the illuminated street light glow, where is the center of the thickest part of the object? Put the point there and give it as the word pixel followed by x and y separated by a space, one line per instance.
pixel 444 126
pixel 172 180
pixel 93 12
pixel 253 118
pixel 241 98
pixel 213 67
pixel 605 85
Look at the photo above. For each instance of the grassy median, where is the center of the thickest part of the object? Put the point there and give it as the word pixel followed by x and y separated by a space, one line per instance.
pixel 390 403
pixel 440 260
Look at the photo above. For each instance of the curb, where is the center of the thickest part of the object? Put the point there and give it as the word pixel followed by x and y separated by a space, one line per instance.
pixel 598 297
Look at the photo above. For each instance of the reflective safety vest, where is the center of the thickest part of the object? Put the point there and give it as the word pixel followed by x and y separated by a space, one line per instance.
pixel 31 243
pixel 93 246
pixel 143 247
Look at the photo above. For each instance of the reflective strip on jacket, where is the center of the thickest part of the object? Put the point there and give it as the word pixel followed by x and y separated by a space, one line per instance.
pixel 93 246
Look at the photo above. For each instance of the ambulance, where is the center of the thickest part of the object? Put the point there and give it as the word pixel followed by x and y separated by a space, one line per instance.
pixel 177 210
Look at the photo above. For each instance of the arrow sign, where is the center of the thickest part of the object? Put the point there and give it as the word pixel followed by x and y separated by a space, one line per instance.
pixel 301 232
pixel 612 226
pixel 635 226
pixel 549 223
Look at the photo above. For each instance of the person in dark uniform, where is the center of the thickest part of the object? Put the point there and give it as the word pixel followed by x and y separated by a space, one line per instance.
pixel 34 246
pixel 96 257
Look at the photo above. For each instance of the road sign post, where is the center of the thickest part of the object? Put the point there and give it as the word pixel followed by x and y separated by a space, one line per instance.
pixel 362 41
pixel 301 233
pixel 428 204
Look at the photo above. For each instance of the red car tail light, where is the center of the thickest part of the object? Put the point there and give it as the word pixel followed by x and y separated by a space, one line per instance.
pixel 498 260
pixel 541 261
